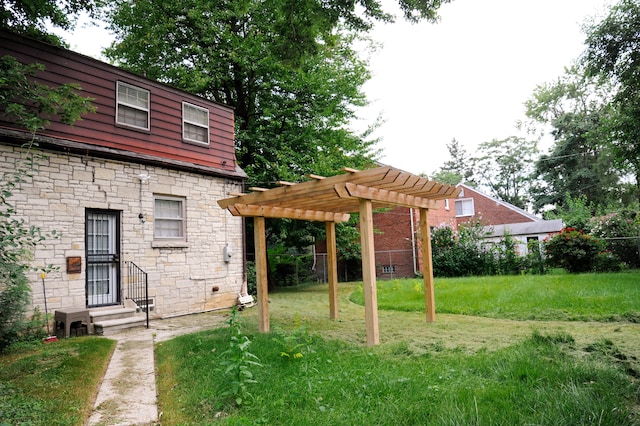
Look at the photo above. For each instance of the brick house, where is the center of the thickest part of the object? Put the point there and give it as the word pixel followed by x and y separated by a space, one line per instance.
pixel 133 185
pixel 398 252
pixel 501 218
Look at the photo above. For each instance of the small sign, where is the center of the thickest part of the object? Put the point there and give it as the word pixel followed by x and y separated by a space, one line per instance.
pixel 74 265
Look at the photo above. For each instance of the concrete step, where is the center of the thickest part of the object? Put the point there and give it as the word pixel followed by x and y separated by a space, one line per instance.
pixel 107 327
pixel 111 314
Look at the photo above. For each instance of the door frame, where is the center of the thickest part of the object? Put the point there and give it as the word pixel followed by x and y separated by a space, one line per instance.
pixel 114 259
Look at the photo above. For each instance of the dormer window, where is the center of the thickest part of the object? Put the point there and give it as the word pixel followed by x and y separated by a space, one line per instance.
pixel 132 106
pixel 195 124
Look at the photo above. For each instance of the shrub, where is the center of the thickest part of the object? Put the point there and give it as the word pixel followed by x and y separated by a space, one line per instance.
pixel 507 259
pixel 618 229
pixel 461 254
pixel 572 250
pixel 607 262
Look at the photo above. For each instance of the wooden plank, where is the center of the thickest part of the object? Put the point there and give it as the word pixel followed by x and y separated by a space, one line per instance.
pixel 349 170
pixel 307 189
pixel 262 285
pixel 286 213
pixel 393 198
pixel 332 269
pixel 429 296
pixel 369 273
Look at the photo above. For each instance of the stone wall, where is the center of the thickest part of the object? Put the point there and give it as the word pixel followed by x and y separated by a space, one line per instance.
pixel 184 278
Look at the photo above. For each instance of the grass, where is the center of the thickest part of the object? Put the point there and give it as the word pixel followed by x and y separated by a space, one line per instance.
pixel 540 380
pixel 584 297
pixel 54 383
pixel 492 365
pixel 459 370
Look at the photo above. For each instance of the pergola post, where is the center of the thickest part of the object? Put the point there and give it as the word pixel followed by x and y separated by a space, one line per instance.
pixel 330 200
pixel 369 273
pixel 260 239
pixel 332 269
pixel 429 297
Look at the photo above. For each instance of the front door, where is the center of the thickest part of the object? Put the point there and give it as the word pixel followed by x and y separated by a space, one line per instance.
pixel 103 257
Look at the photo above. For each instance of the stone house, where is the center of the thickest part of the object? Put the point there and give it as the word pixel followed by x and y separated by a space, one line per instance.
pixel 132 191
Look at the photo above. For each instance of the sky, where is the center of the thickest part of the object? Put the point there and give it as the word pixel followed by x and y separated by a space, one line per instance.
pixel 466 77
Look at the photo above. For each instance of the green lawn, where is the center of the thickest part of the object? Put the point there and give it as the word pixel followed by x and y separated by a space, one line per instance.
pixel 459 370
pixel 583 297
pixel 54 383
pixel 493 365
pixel 540 380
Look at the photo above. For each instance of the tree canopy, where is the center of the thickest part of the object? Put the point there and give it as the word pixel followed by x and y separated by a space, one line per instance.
pixel 31 17
pixel 579 163
pixel 289 69
pixel 613 53
pixel 504 166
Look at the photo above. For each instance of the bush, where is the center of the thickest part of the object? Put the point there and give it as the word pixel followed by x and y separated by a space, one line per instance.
pixel 618 229
pixel 460 254
pixel 572 250
pixel 508 262
pixel 607 262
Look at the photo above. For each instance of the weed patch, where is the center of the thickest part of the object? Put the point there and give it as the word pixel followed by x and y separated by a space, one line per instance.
pixel 540 380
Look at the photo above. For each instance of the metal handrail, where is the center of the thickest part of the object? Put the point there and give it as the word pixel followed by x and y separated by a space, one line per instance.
pixel 138 287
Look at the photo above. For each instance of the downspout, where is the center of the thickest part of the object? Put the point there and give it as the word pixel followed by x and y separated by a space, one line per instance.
pixel 413 244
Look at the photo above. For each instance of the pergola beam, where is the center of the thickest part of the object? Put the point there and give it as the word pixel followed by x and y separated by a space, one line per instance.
pixel 383 196
pixel 286 213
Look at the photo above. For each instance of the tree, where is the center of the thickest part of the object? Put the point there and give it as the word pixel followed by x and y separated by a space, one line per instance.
pixel 31 17
pixel 459 169
pixel 504 166
pixel 287 67
pixel 613 52
pixel 30 104
pixel 579 163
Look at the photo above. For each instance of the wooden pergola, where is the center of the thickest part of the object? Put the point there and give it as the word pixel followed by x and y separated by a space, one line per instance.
pixel 330 200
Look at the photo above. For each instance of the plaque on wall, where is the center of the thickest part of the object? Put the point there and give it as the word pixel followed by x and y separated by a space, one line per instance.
pixel 74 265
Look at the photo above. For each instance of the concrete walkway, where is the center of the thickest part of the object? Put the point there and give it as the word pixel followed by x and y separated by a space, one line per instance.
pixel 127 395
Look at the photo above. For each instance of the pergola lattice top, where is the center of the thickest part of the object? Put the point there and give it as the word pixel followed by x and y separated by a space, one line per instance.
pixel 331 198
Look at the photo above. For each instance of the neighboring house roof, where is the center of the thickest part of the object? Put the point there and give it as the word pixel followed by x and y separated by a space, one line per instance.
pixel 503 203
pixel 526 228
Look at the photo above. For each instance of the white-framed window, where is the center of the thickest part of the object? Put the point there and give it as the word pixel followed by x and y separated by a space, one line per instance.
pixel 464 207
pixel 132 106
pixel 169 218
pixel 388 269
pixel 195 123
pixel 446 204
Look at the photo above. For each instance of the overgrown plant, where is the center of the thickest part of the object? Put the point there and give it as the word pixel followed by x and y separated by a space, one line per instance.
pixel 238 362
pixel 293 343
pixel 17 242
pixel 28 103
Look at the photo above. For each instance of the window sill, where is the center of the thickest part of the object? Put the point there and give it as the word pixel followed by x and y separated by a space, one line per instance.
pixel 169 244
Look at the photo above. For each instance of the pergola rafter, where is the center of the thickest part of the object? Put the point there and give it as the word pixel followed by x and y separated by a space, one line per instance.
pixel 330 200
